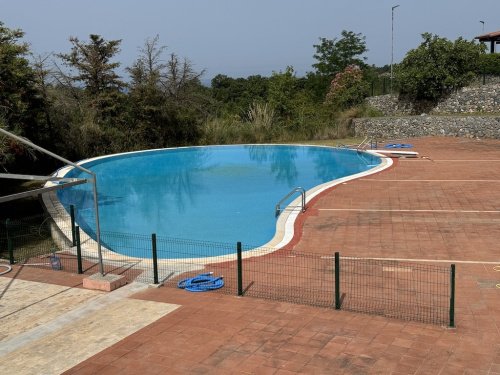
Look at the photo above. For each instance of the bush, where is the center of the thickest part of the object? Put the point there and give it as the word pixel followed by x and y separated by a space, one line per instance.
pixel 437 67
pixel 347 89
pixel 489 64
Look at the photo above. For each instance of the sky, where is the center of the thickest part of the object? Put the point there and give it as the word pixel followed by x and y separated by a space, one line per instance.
pixel 239 38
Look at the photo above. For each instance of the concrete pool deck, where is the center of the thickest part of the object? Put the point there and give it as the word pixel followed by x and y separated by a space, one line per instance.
pixel 445 206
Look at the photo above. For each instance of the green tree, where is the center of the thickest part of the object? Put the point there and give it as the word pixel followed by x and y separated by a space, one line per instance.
pixel 91 65
pixel 334 55
pixel 146 98
pixel 167 100
pixel 236 95
pixel 437 67
pixel 188 102
pixel 21 105
pixel 282 89
pixel 489 63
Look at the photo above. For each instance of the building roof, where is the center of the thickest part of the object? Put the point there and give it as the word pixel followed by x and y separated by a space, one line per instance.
pixel 493 36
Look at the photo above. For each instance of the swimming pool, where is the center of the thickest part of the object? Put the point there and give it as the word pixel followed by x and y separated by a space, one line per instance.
pixel 214 193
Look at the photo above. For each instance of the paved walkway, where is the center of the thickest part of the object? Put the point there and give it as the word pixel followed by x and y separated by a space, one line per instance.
pixel 445 206
pixel 48 328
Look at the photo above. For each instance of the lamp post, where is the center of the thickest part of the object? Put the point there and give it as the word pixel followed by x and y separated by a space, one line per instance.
pixel 484 75
pixel 392 42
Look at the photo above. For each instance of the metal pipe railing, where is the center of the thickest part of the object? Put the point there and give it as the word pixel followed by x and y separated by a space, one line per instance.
pixel 295 190
pixel 93 180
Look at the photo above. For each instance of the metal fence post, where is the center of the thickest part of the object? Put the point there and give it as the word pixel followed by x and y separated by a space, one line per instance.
pixel 155 259
pixel 10 246
pixel 337 281
pixel 78 250
pixel 452 296
pixel 240 269
pixel 73 230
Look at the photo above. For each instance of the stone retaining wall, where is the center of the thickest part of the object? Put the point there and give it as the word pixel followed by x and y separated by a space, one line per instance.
pixel 419 126
pixel 483 99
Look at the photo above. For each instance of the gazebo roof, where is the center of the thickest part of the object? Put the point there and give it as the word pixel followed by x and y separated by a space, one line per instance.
pixel 490 37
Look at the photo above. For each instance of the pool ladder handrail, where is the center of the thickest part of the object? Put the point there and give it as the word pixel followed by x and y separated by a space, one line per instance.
pixel 362 144
pixel 373 144
pixel 293 191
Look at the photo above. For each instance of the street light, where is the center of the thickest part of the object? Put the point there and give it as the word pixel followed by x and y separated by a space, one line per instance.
pixel 392 42
pixel 483 25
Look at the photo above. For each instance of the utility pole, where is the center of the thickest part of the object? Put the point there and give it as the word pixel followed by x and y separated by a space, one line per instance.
pixel 392 43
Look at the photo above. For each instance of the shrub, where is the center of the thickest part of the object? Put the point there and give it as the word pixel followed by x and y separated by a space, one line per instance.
pixel 347 89
pixel 489 64
pixel 437 67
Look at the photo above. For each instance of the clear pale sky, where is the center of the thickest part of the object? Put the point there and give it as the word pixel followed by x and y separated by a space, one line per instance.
pixel 244 37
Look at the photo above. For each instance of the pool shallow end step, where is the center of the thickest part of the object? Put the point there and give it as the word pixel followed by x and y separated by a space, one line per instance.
pixel 106 283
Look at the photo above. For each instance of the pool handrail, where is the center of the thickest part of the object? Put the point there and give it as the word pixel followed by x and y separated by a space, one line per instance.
pixel 293 191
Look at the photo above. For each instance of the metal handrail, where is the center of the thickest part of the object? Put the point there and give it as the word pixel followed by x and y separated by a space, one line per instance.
pixel 362 143
pixel 295 190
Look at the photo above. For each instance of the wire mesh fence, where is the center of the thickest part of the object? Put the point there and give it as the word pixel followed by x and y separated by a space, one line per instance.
pixel 384 84
pixel 285 275
pixel 404 290
pixel 180 259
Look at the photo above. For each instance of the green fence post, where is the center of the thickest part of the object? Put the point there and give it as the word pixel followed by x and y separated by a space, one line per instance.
pixel 78 249
pixel 337 281
pixel 155 259
pixel 73 230
pixel 240 269
pixel 452 296
pixel 10 247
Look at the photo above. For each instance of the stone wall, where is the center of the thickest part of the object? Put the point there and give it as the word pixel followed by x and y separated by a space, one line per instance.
pixel 473 99
pixel 419 126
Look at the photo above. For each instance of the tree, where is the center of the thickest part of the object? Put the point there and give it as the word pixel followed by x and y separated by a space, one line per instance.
pixel 21 105
pixel 437 67
pixel 145 94
pixel 95 70
pixel 489 63
pixel 334 55
pixel 282 88
pixel 237 95
pixel 167 100
pixel 145 72
pixel 347 89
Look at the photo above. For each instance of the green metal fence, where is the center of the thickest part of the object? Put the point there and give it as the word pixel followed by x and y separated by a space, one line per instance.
pixel 403 290
pixel 382 85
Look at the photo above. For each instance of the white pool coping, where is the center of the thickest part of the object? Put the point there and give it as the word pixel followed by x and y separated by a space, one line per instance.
pixel 284 226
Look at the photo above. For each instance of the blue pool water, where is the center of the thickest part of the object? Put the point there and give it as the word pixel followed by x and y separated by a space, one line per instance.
pixel 217 193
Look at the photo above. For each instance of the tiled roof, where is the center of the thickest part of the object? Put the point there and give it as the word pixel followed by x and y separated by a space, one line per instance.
pixel 495 35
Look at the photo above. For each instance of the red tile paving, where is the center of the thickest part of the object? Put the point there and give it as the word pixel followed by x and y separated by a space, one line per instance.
pixel 439 214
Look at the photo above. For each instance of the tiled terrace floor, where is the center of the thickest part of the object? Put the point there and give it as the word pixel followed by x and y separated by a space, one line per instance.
pixel 442 207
